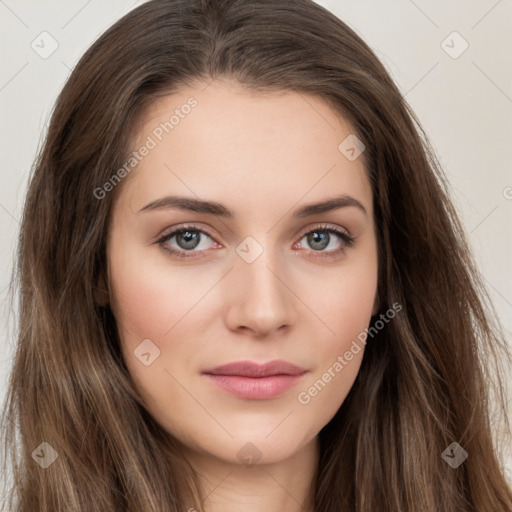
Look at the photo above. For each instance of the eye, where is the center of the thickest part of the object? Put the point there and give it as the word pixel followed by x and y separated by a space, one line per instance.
pixel 188 238
pixel 322 237
pixel 190 241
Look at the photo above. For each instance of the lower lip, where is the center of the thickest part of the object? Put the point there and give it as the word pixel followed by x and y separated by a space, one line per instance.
pixel 255 388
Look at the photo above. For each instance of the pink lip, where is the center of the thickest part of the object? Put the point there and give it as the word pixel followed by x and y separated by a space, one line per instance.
pixel 250 380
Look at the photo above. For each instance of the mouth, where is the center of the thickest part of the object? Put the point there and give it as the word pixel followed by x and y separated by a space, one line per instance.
pixel 249 380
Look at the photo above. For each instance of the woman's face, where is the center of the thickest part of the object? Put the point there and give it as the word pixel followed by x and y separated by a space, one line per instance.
pixel 257 276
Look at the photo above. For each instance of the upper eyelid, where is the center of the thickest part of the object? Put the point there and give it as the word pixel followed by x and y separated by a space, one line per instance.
pixel 321 227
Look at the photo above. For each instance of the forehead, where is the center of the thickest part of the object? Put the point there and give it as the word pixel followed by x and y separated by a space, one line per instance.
pixel 254 150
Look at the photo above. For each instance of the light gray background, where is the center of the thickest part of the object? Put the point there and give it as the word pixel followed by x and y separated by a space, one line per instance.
pixel 464 104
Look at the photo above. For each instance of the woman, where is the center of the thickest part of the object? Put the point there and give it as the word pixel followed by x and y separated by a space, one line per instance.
pixel 243 284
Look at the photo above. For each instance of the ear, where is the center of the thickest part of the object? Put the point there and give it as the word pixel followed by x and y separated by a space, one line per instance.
pixel 376 306
pixel 101 291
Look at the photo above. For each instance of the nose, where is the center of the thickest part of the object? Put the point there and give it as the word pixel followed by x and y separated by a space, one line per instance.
pixel 260 298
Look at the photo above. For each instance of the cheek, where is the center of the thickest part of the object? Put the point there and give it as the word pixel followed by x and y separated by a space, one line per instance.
pixel 338 355
pixel 142 305
pixel 343 298
pixel 344 303
pixel 157 301
pixel 150 301
pixel 149 297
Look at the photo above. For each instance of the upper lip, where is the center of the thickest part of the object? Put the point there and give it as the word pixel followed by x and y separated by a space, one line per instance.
pixel 252 369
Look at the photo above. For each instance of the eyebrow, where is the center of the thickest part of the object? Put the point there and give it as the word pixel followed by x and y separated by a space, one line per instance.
pixel 213 208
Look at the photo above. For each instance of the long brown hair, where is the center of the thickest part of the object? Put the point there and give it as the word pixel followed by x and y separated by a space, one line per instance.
pixel 427 380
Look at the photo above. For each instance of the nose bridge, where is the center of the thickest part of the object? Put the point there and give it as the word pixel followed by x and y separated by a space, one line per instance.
pixel 262 300
pixel 261 275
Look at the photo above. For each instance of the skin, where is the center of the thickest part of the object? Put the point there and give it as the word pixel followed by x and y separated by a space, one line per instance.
pixel 262 156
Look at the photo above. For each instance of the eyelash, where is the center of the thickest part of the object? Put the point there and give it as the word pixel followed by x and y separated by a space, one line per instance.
pixel 347 240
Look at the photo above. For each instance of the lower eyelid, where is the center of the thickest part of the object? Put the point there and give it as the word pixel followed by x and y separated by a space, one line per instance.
pixel 182 252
